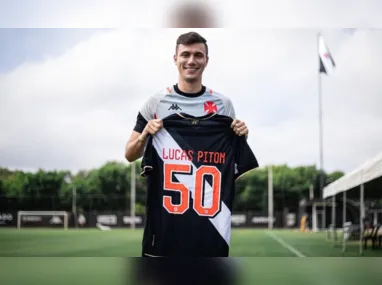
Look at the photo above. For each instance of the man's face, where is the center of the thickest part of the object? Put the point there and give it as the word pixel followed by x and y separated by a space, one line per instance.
pixel 191 61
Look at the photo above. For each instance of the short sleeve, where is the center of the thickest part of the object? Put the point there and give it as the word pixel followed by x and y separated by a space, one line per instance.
pixel 146 113
pixel 148 109
pixel 140 124
pixel 229 109
pixel 245 160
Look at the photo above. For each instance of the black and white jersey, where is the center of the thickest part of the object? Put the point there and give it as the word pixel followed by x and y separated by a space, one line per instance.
pixel 191 166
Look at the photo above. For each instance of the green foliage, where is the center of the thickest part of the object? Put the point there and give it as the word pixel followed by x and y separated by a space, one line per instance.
pixel 108 188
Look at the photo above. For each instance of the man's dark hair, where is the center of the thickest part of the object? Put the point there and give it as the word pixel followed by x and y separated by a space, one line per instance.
pixel 191 38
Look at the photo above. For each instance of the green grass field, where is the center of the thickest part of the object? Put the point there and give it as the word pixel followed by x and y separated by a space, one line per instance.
pixel 97 257
pixel 127 243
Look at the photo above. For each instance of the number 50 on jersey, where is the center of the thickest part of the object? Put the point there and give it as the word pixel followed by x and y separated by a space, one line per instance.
pixel 204 194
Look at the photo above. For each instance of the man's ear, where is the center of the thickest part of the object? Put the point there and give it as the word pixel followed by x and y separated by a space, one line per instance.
pixel 175 58
pixel 207 60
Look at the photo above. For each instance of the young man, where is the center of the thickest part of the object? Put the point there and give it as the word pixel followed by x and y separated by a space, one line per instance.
pixel 192 159
pixel 189 95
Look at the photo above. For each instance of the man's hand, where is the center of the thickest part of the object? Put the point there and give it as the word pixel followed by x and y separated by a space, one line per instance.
pixel 152 127
pixel 239 128
pixel 135 146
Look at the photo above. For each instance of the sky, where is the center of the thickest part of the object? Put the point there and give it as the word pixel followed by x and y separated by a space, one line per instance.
pixel 69 97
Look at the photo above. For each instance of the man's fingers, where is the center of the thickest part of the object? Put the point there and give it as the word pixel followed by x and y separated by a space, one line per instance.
pixel 239 127
pixel 240 124
pixel 243 130
pixel 150 130
pixel 154 126
pixel 234 123
pixel 157 123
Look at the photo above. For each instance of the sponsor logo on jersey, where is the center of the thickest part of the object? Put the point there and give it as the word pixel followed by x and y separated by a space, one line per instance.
pixel 174 107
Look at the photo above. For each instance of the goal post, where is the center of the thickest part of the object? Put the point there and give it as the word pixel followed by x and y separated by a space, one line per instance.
pixel 36 217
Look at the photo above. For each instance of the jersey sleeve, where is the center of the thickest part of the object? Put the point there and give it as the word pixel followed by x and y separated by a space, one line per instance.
pixel 140 123
pixel 245 159
pixel 146 113
pixel 148 109
pixel 229 110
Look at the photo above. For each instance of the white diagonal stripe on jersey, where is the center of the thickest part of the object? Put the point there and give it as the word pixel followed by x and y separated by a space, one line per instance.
pixel 222 221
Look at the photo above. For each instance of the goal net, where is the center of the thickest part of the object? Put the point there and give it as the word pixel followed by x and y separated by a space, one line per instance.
pixel 50 219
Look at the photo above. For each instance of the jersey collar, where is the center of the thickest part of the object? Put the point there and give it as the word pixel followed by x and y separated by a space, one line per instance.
pixel 193 118
pixel 201 92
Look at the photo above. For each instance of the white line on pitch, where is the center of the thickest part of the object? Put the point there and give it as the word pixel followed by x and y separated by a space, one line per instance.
pixel 284 244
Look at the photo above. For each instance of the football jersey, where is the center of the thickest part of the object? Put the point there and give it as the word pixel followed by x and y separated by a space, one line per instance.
pixel 191 166
pixel 171 100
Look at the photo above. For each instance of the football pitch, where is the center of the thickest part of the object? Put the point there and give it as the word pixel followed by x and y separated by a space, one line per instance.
pixel 99 257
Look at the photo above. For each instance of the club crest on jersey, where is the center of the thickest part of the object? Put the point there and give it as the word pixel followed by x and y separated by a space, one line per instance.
pixel 174 107
pixel 210 107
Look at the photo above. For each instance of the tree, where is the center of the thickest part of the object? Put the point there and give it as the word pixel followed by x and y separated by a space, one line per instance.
pixel 107 188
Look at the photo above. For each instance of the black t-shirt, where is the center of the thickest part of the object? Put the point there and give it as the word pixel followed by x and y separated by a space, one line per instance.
pixel 191 166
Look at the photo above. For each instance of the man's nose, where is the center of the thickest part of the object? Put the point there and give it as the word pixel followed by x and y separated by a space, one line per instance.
pixel 191 60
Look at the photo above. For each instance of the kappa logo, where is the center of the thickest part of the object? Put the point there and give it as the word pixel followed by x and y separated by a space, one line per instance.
pixel 174 107
pixel 56 220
